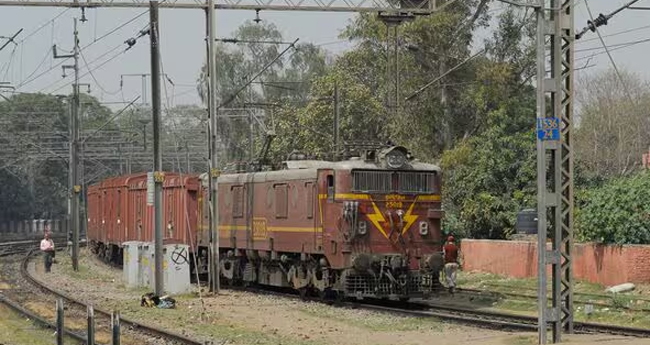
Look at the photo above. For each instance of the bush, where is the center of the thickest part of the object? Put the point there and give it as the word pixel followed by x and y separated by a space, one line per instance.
pixel 616 213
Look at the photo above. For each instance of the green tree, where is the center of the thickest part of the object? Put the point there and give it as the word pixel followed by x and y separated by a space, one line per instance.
pixel 490 175
pixel 34 141
pixel 286 81
pixel 615 213
pixel 35 172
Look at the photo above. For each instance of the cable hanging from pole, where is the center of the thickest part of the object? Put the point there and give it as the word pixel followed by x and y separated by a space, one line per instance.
pixel 601 20
pixel 268 65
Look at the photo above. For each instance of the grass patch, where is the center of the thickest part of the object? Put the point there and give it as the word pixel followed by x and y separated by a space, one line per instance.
pixel 15 329
pixel 64 265
pixel 612 312
pixel 524 340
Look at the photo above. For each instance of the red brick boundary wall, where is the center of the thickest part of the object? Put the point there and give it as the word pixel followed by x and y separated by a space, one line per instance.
pixel 607 265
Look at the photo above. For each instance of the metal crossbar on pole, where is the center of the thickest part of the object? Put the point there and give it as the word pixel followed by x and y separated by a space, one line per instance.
pixel 555 165
pixel 414 6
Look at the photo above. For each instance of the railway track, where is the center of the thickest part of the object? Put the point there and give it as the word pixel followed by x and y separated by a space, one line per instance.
pixel 499 294
pixel 27 289
pixel 500 320
pixel 473 317
pixel 23 246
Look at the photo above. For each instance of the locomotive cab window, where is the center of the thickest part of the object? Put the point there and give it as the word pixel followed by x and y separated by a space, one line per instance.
pixel 330 187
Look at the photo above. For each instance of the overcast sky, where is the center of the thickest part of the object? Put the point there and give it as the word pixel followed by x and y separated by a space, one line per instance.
pixel 183 48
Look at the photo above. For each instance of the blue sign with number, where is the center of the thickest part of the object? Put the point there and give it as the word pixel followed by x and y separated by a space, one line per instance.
pixel 548 128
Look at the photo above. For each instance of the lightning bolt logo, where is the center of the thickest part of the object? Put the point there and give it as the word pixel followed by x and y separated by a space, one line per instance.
pixel 409 218
pixel 377 218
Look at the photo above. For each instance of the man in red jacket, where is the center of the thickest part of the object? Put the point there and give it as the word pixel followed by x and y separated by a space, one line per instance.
pixel 451 263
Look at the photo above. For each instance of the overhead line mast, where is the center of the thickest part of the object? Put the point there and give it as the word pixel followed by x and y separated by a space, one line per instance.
pixel 73 180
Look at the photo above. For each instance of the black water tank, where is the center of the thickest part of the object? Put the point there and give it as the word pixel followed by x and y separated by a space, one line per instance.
pixel 526 222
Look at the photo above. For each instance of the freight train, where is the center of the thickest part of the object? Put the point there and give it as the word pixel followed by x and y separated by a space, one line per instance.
pixel 366 226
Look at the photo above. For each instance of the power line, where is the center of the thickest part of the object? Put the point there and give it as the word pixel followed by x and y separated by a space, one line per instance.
pixel 11 39
pixel 8 65
pixel 83 48
pixel 602 41
pixel 613 49
pixel 615 33
pixel 624 44
pixel 47 54
pixel 94 69
pixel 68 83
pixel 602 19
pixel 44 24
pixel 95 79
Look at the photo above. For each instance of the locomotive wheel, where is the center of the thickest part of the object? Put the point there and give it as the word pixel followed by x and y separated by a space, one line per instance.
pixel 303 293
pixel 339 298
pixel 327 296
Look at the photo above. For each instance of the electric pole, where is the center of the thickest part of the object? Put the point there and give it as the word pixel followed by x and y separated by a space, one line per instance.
pixel 555 165
pixel 337 115
pixel 157 162
pixel 214 162
pixel 73 179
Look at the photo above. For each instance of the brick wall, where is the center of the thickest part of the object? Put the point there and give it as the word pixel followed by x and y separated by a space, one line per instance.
pixel 607 265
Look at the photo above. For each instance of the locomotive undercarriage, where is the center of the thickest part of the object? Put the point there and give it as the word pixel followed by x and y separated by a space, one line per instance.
pixel 309 274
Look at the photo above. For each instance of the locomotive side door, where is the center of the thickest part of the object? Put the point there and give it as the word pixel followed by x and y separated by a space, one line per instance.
pixel 313 214
pixel 326 221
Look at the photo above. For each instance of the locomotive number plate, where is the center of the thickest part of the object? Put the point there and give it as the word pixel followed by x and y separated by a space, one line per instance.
pixel 259 229
pixel 395 201
pixel 394 204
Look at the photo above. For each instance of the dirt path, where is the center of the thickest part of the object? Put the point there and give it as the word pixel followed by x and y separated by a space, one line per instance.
pixel 246 318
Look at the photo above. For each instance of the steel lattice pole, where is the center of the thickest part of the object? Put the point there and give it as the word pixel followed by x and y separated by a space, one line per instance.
pixel 555 165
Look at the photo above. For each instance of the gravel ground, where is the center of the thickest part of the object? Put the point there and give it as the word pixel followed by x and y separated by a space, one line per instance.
pixel 14 287
pixel 236 317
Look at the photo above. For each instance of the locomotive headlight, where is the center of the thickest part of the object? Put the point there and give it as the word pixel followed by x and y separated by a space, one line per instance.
pixel 362 228
pixel 424 228
pixel 395 159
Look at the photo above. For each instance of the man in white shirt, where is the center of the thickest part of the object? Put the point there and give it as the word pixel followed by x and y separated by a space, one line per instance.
pixel 47 247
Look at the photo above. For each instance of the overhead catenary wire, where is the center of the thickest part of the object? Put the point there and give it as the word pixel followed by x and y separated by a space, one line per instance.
pixel 611 59
pixel 416 93
pixel 89 70
pixel 97 83
pixel 632 44
pixel 602 19
pixel 234 95
pixel 10 64
pixel 44 25
pixel 627 31
pixel 110 32
pixel 616 45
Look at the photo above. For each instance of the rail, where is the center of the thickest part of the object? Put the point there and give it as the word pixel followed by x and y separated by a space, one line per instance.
pixel 23 246
pixel 132 323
